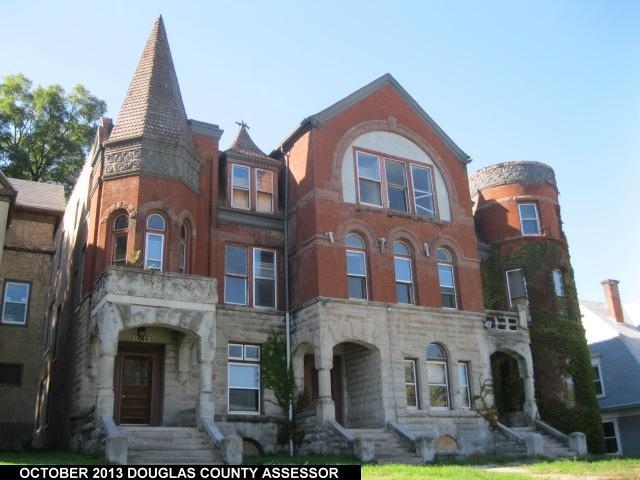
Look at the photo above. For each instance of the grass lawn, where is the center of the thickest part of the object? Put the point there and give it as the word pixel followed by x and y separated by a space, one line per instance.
pixel 49 458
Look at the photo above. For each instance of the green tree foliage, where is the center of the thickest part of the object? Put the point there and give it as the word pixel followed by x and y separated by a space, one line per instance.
pixel 44 132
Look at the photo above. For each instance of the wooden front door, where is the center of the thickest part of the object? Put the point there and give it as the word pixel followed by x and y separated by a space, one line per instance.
pixel 138 384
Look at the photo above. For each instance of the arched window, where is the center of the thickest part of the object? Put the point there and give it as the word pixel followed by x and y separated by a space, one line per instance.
pixel 447 278
pixel 356 266
pixel 183 249
pixel 438 377
pixel 120 232
pixel 154 242
pixel 404 273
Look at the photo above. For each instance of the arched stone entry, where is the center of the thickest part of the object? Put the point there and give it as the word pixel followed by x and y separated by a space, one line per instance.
pixel 355 385
pixel 508 386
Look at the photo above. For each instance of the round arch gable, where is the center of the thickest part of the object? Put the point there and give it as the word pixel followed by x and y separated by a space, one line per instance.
pixel 446 194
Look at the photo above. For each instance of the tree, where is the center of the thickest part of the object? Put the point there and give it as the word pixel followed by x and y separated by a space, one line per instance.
pixel 45 133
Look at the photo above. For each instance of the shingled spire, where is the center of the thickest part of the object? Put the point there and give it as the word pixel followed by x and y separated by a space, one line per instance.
pixel 151 134
pixel 244 143
pixel 153 104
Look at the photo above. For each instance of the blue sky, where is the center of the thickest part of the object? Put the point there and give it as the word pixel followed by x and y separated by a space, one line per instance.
pixel 552 81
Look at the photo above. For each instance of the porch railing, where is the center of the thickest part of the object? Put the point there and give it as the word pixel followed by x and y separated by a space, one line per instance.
pixel 508 322
pixel 116 443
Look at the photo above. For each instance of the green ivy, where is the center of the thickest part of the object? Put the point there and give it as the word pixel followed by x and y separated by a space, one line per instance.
pixel 558 342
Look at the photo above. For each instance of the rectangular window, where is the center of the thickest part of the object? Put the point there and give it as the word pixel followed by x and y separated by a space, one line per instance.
pixel 181 257
pixel 447 285
pixel 11 374
pixel 235 275
pixel 423 191
pixel 120 249
pixel 463 378
pixel 410 383
pixel 529 220
pixel 438 384
pixel 558 284
pixel 15 303
pixel 244 378
pixel 369 183
pixel 357 274
pixel 611 443
pixel 153 251
pixel 396 185
pixel 264 278
pixel 240 186
pixel 516 287
pixel 264 191
pixel 597 377
pixel 404 280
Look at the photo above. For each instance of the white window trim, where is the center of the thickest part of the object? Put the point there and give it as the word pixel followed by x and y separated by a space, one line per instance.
pixel 433 194
pixel 412 299
pixel 455 290
pixel 406 186
pixel 524 279
pixel 382 194
pixel 235 275
pixel 157 233
pixel 446 384
pixel 5 301
pixel 365 276
pixel 234 186
pixel 414 384
pixel 229 387
pixel 522 218
pixel 468 384
pixel 275 278
pixel 616 431
pixel 595 362
pixel 270 192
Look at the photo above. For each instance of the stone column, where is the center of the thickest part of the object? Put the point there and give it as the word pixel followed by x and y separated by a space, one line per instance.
pixel 325 407
pixel 530 408
pixel 107 351
pixel 205 407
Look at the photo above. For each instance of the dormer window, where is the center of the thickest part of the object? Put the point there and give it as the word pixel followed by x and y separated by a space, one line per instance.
pixel 240 186
pixel 264 191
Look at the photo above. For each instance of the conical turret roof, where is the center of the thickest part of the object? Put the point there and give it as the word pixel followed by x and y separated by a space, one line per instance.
pixel 243 143
pixel 153 104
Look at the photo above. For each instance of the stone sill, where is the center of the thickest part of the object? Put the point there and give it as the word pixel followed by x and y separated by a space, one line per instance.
pixel 254 310
pixel 249 418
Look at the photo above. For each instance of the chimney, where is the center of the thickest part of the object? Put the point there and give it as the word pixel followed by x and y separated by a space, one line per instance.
pixel 612 297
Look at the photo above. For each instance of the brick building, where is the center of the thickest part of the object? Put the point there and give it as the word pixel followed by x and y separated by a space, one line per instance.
pixel 177 273
pixel 30 213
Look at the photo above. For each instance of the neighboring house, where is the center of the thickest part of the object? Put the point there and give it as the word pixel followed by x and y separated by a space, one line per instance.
pixel 171 271
pixel 614 344
pixel 31 217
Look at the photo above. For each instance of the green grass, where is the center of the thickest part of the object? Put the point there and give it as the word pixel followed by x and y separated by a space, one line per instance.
pixel 453 472
pixel 601 465
pixel 49 458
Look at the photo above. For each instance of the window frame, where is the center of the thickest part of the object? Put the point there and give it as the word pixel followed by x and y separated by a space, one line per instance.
pixel 357 251
pixel 27 304
pixel 524 280
pixel 235 275
pixel 406 185
pixel 595 363
pixel 258 190
pixel 234 186
pixel 558 281
pixel 616 433
pixel 119 233
pixel 446 385
pixel 429 168
pixel 414 367
pixel 184 248
pixel 244 362
pixel 404 257
pixel 379 180
pixel 255 277
pixel 522 219
pixel 149 232
pixel 449 264
pixel 467 384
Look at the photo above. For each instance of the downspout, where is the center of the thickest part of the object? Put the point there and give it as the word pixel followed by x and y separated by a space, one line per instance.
pixel 287 318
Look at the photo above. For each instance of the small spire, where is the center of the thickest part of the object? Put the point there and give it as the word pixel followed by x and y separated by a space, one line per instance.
pixel 244 143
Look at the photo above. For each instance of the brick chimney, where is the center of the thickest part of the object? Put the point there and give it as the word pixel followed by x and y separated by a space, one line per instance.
pixel 612 297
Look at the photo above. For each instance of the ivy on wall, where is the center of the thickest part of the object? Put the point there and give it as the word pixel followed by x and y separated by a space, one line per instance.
pixel 565 391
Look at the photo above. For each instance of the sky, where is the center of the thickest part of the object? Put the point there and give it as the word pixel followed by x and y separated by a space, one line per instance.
pixel 546 80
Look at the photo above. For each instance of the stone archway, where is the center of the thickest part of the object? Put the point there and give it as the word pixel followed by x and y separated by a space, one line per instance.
pixel 508 387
